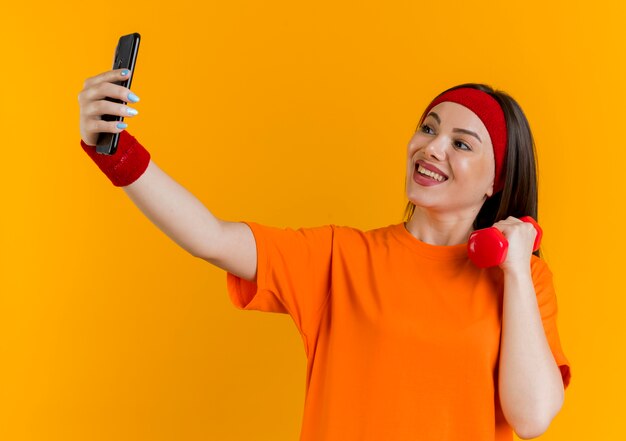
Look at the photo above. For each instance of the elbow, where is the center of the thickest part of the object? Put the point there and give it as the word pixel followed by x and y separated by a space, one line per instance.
pixel 202 256
pixel 533 428
pixel 530 431
pixel 536 422
pixel 201 251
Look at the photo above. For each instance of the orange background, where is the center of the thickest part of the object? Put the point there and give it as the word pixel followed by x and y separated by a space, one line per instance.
pixel 288 114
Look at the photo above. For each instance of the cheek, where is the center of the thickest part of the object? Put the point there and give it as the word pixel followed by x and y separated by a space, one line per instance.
pixel 413 144
pixel 466 169
pixel 489 168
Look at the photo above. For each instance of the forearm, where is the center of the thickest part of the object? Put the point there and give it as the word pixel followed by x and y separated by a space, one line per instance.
pixel 175 211
pixel 530 384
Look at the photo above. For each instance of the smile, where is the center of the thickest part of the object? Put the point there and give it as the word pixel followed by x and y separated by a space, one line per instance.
pixel 429 173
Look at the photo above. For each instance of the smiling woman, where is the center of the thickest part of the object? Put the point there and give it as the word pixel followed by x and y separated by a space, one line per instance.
pixel 470 165
pixel 405 337
pixel 466 353
pixel 518 194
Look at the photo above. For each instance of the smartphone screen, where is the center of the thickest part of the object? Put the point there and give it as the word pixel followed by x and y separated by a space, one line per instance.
pixel 125 57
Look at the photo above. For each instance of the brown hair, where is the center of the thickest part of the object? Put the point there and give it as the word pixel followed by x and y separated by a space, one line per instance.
pixel 519 196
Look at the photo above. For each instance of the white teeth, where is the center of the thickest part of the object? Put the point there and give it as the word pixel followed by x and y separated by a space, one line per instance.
pixel 432 174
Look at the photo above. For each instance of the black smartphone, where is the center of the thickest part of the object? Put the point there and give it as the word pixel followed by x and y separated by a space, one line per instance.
pixel 125 57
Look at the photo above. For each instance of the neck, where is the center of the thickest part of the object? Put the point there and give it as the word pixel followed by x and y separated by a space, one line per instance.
pixel 441 228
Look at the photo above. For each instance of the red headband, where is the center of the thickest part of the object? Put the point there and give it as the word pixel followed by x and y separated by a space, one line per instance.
pixel 492 116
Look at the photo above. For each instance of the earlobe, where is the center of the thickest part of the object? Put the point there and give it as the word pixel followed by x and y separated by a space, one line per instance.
pixel 490 191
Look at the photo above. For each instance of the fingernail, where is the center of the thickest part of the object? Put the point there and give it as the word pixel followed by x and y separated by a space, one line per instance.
pixel 132 111
pixel 122 125
pixel 125 72
pixel 134 98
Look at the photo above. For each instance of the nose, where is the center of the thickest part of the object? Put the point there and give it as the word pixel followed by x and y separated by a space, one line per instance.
pixel 436 149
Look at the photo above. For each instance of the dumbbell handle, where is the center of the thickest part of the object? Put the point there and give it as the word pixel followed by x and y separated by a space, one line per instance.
pixel 488 247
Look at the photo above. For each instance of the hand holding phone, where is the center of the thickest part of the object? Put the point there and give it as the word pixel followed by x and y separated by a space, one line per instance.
pixel 125 57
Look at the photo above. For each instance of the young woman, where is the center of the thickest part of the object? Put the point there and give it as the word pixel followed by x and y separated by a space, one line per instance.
pixel 405 337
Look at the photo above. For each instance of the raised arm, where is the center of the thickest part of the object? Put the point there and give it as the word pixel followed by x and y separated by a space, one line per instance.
pixel 173 209
pixel 182 217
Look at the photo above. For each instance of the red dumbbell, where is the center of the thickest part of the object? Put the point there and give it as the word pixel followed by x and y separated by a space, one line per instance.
pixel 488 246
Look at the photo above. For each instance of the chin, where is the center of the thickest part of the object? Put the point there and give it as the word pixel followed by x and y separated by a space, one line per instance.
pixel 424 202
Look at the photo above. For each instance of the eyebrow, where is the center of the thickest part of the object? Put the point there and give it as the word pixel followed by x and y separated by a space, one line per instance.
pixel 469 132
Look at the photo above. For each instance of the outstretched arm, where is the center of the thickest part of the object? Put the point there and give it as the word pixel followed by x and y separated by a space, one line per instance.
pixel 173 209
pixel 182 217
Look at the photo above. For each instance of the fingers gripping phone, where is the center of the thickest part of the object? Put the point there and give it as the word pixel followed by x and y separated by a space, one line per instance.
pixel 125 57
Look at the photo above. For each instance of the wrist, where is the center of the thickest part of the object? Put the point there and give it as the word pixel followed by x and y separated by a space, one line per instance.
pixel 517 272
pixel 126 165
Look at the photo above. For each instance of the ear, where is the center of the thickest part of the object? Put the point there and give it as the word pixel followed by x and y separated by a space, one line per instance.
pixel 489 192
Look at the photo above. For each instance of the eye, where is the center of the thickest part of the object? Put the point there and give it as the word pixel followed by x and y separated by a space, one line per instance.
pixel 424 127
pixel 462 146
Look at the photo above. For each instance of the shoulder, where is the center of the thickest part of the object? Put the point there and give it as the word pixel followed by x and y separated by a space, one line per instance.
pixel 355 234
pixel 341 235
